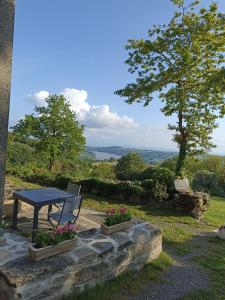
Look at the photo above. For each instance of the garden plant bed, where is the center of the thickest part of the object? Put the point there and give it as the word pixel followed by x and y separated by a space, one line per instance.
pixel 115 228
pixel 37 254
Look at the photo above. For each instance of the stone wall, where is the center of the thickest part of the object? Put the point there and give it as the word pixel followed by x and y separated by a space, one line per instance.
pixel 97 258
pixel 193 203
pixel 8 201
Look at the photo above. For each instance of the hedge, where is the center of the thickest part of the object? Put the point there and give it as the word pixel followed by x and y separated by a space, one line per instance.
pixel 124 191
pixel 121 191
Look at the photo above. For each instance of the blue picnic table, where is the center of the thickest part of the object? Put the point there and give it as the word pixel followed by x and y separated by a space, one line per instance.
pixel 38 198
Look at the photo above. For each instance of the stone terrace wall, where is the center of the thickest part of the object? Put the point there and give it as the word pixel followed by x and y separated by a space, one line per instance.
pixel 96 259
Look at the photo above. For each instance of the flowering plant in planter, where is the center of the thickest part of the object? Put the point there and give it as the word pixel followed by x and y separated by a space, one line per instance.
pixel 117 216
pixel 58 235
pixel 48 244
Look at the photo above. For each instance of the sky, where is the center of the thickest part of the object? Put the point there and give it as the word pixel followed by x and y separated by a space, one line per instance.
pixel 77 48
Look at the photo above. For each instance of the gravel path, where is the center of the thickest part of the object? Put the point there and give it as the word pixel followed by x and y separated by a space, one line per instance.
pixel 180 279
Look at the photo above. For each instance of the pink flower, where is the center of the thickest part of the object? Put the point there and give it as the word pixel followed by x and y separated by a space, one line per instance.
pixel 66 227
pixel 122 210
pixel 112 211
pixel 69 227
pixel 72 227
pixel 59 230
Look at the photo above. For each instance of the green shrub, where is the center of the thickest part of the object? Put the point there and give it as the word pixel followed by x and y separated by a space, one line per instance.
pixel 117 216
pixel 165 177
pixel 155 190
pixel 104 171
pixel 62 181
pixel 42 179
pixel 159 192
pixel 147 173
pixel 148 184
pixel 118 191
pixel 208 182
pixel 20 170
pixel 129 166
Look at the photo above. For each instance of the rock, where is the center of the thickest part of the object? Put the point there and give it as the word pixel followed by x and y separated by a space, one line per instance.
pixel 88 233
pixel 122 240
pixel 85 254
pixel 221 232
pixel 193 203
pixel 4 257
pixel 182 185
pixel 103 247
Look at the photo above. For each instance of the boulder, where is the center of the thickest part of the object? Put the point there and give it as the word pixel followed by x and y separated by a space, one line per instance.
pixel 221 232
pixel 193 203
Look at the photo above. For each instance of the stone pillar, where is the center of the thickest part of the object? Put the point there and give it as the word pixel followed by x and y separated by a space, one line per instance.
pixel 7 12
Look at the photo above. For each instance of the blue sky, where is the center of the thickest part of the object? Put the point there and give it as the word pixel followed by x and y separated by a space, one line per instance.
pixel 76 47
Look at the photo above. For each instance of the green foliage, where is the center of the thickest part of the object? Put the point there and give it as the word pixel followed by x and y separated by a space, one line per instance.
pixel 206 173
pixel 155 190
pixel 184 62
pixel 54 129
pixel 207 181
pixel 159 192
pixel 50 238
pixel 129 166
pixel 147 173
pixel 114 190
pixel 104 171
pixel 164 176
pixel 148 184
pixel 117 216
pixel 44 239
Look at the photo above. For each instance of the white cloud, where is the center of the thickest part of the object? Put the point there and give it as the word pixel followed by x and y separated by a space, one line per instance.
pixel 104 127
pixel 38 98
pixel 77 99
pixel 96 117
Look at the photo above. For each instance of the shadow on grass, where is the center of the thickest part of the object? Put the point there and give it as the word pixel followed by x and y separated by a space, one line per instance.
pixel 151 209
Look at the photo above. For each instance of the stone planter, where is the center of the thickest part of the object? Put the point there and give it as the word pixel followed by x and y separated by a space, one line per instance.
pixel 42 253
pixel 115 228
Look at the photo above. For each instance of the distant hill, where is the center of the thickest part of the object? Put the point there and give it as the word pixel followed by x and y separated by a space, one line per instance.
pixel 150 156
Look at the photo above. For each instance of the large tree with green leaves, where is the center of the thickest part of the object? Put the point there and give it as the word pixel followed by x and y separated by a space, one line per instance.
pixel 183 61
pixel 54 129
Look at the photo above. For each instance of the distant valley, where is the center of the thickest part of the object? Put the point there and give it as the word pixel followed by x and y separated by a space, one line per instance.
pixel 150 156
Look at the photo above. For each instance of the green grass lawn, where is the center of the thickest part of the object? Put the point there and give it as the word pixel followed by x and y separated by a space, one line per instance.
pixel 179 231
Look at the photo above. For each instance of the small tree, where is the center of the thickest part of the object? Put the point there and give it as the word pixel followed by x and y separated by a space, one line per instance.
pixel 184 62
pixel 54 128
pixel 129 166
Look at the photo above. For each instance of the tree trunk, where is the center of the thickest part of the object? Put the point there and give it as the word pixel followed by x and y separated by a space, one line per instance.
pixel 182 144
pixel 7 12
pixel 51 162
pixel 181 159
